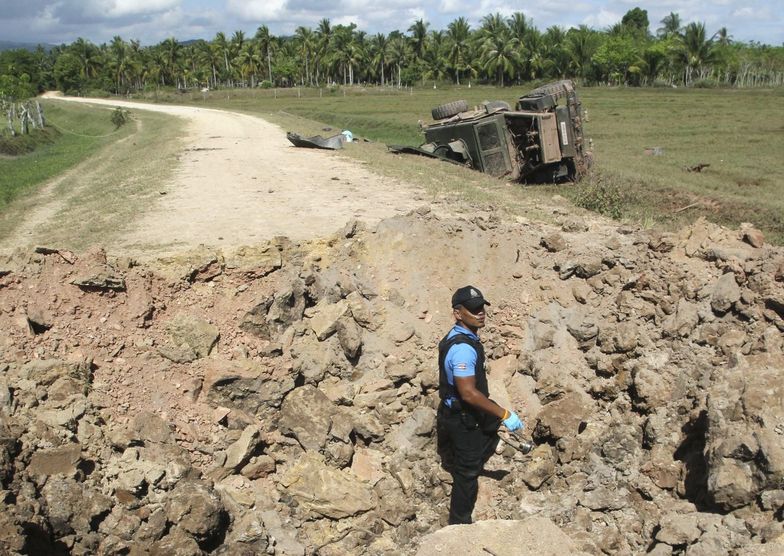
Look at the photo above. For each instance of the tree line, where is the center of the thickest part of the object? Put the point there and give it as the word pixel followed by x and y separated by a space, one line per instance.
pixel 501 50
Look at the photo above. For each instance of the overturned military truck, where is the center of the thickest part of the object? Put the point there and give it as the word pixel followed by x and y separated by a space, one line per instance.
pixel 541 140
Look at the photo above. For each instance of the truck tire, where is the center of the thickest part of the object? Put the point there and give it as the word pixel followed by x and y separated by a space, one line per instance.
pixel 554 88
pixel 449 109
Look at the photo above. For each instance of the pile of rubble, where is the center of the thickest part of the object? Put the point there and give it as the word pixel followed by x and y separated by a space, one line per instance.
pixel 280 399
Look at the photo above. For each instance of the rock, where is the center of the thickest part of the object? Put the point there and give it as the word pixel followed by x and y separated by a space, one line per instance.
pixel 178 354
pixel 250 534
pixel 120 523
pixel 239 452
pixel 325 490
pixel 153 529
pixel 12 537
pixel 195 509
pixel 195 333
pixel 398 370
pixel 272 316
pixel 625 337
pixel 413 434
pixel 307 414
pixel 563 417
pixel 100 278
pixel 744 452
pixel 362 311
pixel 678 529
pixel 652 388
pixel 209 267
pixel 326 316
pixel 350 337
pixel 56 461
pixel 243 385
pixel 177 542
pixel 72 506
pixel 46 372
pixel 259 467
pixel 140 306
pixel 367 464
pixel 553 242
pixel 539 467
pixel 39 319
pixel 582 327
pixel 286 542
pixel 534 536
pixel 604 498
pixel 726 293
pixel 772 500
pixel 238 489
pixel 148 427
pixel 683 321
pixel 752 235
pixel 662 469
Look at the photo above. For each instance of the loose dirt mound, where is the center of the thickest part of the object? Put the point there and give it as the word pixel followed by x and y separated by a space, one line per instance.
pixel 281 397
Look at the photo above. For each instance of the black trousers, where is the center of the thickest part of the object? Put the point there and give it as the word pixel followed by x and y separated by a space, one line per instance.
pixel 466 442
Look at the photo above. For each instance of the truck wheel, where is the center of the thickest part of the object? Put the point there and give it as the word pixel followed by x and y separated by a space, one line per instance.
pixel 553 88
pixel 449 109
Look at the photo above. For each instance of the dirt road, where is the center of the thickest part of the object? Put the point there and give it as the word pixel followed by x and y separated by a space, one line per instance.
pixel 239 180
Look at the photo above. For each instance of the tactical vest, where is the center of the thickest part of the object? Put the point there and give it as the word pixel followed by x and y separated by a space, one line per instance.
pixel 446 390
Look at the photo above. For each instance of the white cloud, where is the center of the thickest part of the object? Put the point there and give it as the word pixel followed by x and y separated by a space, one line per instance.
pixel 119 8
pixel 602 19
pixel 258 10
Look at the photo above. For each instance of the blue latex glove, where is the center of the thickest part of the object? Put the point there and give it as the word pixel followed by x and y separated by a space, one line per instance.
pixel 513 422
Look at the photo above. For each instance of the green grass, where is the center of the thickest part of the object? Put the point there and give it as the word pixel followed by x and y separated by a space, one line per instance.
pixel 97 201
pixel 77 132
pixel 739 133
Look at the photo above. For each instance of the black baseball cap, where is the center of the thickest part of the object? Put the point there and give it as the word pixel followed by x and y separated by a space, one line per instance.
pixel 469 297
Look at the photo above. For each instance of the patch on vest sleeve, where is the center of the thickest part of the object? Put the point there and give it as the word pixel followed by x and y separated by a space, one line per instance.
pixel 461 366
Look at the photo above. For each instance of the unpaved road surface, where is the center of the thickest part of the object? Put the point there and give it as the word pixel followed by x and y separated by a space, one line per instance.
pixel 239 180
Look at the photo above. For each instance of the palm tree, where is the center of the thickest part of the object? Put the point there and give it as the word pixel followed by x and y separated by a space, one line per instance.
pixel 248 62
pixel 398 53
pixel 694 51
pixel 671 26
pixel 555 47
pixel 458 36
pixel 266 44
pixel 499 50
pixel 323 41
pixel 418 32
pixel 170 58
pixel 436 64
pixel 306 44
pixel 581 44
pixel 89 57
pixel 722 37
pixel 537 61
pixel 119 61
pixel 379 52
pixel 222 47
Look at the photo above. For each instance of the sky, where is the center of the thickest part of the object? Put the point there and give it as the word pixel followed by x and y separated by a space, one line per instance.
pixel 151 21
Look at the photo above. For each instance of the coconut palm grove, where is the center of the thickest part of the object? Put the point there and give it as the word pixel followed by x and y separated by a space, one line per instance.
pixel 501 51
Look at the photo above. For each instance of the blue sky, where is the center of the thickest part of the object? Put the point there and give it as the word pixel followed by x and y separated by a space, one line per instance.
pixel 151 21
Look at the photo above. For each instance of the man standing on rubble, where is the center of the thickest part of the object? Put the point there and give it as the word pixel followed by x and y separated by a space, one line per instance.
pixel 467 417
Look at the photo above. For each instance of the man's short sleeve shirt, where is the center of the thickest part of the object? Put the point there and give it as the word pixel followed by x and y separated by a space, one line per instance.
pixel 460 360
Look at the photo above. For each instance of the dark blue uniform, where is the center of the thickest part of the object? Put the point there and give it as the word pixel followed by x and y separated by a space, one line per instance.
pixel 472 434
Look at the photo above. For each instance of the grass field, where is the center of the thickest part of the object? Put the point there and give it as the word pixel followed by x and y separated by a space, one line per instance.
pixel 79 131
pixel 738 133
pixel 89 199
